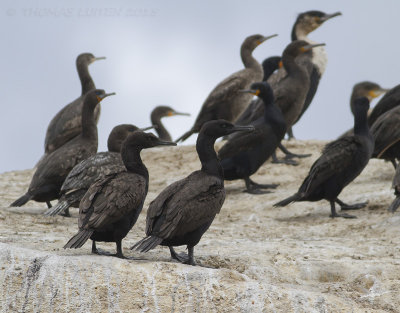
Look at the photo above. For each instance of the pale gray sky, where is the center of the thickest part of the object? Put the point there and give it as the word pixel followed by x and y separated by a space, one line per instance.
pixel 173 52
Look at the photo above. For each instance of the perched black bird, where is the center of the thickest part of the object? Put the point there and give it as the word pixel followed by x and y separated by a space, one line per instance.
pixel 244 153
pixel 314 62
pixel 156 115
pixel 366 89
pixel 66 124
pixel 225 101
pixel 111 206
pixel 386 133
pixel 54 167
pixel 396 185
pixel 96 167
pixel 340 163
pixel 390 100
pixel 184 210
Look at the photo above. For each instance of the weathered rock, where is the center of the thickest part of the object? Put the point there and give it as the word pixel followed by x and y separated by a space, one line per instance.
pixel 255 258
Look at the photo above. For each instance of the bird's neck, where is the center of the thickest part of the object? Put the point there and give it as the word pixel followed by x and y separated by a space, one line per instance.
pixel 291 67
pixel 160 129
pixel 208 158
pixel 249 61
pixel 133 161
pixel 361 124
pixel 85 78
pixel 89 127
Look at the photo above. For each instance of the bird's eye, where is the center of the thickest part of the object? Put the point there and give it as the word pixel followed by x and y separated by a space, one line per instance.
pixel 98 93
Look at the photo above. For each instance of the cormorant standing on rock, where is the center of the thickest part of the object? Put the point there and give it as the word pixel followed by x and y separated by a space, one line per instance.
pixel 66 124
pixel 183 211
pixel 340 163
pixel 225 101
pixel 156 115
pixel 244 153
pixel 54 167
pixel 96 167
pixel 111 206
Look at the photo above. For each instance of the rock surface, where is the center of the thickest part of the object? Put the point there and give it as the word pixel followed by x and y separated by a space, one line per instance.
pixel 255 258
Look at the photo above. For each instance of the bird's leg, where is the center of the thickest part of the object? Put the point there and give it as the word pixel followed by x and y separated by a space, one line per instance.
pixel 48 204
pixel 394 163
pixel 262 186
pixel 65 213
pixel 355 206
pixel 190 253
pixel 290 133
pixel 98 251
pixel 335 214
pixel 119 250
pixel 284 161
pixel 290 155
pixel 253 188
pixel 183 258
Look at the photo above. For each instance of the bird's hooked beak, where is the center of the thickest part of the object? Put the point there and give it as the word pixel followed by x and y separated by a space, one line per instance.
pixel 309 47
pixel 255 92
pixel 238 128
pixel 173 113
pixel 101 97
pixel 148 128
pixel 266 38
pixel 329 16
pixel 98 58
pixel 165 143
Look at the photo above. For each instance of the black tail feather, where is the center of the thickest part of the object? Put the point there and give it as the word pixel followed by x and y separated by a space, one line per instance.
pixel 185 135
pixel 285 202
pixel 394 205
pixel 79 239
pixel 22 200
pixel 147 244
pixel 58 208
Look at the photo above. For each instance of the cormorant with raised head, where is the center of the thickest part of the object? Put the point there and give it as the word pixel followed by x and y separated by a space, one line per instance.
pixel 183 211
pixel 96 167
pixel 244 153
pixel 54 167
pixel 314 61
pixel 340 163
pixel 225 101
pixel 160 112
pixel 111 206
pixel 66 124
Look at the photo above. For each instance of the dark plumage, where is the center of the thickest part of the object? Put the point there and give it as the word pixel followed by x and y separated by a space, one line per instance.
pixel 54 167
pixel 396 186
pixel 96 167
pixel 157 114
pixel 366 89
pixel 66 124
pixel 386 133
pixel 270 65
pixel 111 206
pixel 244 153
pixel 183 211
pixel 314 61
pixel 225 101
pixel 340 163
pixel 390 100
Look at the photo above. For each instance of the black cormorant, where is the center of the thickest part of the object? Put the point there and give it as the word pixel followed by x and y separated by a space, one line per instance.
pixel 184 210
pixel 390 100
pixel 244 153
pixel 225 101
pixel 156 115
pixel 54 167
pixel 386 133
pixel 111 206
pixel 396 185
pixel 91 169
pixel 66 124
pixel 340 163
